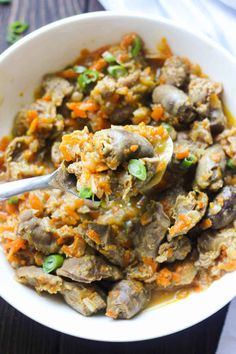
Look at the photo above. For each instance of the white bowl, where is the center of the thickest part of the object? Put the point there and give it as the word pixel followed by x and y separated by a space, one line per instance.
pixel 21 69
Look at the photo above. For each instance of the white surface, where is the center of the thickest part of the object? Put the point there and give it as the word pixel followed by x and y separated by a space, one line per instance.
pixel 49 49
pixel 210 17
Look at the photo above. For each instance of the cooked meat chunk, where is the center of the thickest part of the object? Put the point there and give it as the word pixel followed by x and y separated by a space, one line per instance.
pixel 41 108
pixel 141 271
pixel 188 211
pixel 37 232
pixel 102 238
pixel 56 88
pixel 85 299
pixel 211 243
pixel 185 143
pixel 200 90
pixel 175 72
pixel 20 158
pixel 168 198
pixel 204 95
pixel 176 275
pixel 37 278
pixel 88 268
pixel 147 237
pixel 115 145
pixel 177 249
pixel 121 115
pixel 176 104
pixel 227 140
pixel 201 132
pixel 104 89
pixel 222 210
pixel 126 299
pixel 56 155
pixel 129 80
pixel 210 169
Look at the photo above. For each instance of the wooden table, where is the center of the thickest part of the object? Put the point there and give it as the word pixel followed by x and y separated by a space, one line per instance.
pixel 19 334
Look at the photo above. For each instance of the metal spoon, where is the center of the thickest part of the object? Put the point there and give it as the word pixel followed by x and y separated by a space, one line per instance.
pixel 59 179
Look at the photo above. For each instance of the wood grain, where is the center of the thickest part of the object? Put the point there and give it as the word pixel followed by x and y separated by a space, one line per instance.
pixel 19 334
pixel 38 13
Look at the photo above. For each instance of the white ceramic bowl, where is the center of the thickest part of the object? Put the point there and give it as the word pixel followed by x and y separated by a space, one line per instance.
pixel 21 69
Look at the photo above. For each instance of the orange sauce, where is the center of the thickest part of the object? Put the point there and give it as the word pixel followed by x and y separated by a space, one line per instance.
pixel 230 117
pixel 162 298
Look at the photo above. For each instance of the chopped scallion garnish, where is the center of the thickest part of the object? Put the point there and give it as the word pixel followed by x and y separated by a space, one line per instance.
pixel 136 47
pixel 52 262
pixel 85 193
pixel 117 70
pixel 137 169
pixel 86 78
pixel 109 57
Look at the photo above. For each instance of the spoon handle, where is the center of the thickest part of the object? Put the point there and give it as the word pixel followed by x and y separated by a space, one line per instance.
pixel 10 189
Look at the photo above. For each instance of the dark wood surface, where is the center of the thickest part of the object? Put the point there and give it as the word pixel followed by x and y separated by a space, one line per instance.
pixel 21 335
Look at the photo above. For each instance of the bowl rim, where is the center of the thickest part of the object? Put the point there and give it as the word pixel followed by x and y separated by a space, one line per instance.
pixel 116 15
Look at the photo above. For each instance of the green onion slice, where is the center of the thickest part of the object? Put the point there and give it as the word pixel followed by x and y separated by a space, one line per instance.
pixel 13 200
pixel 52 262
pixel 167 126
pixel 136 47
pixel 117 70
pixel 18 27
pixel 109 57
pixel 187 162
pixel 137 169
pixel 79 69
pixel 87 77
pixel 85 193
pixel 231 163
pixel 12 37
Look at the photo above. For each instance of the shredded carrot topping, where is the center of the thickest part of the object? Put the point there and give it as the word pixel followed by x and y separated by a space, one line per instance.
pixel 182 154
pixel 99 65
pixel 150 262
pixel 181 225
pixel 35 202
pixel 68 74
pixel 205 224
pixel 13 247
pixel 94 236
pixel 31 115
pixel 157 113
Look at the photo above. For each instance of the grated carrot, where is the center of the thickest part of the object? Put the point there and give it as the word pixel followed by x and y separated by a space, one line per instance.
pixel 127 40
pixel 183 222
pixel 99 65
pixel 206 224
pixel 47 98
pixel 150 262
pixel 4 142
pixel 31 115
pixel 94 236
pixel 68 74
pixel 13 247
pixel 35 202
pixel 164 277
pixel 182 154
pixel 11 208
pixel 157 113
pixel 164 48
pixel 33 126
